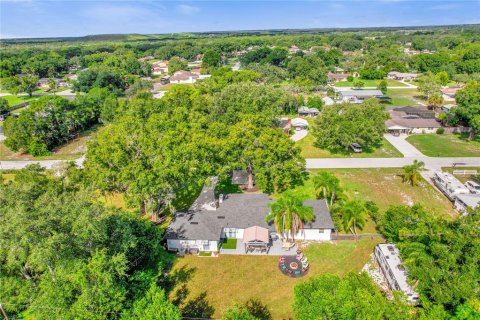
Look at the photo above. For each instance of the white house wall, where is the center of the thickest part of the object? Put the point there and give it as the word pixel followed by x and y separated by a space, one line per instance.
pixel 424 130
pixel 314 235
pixel 175 244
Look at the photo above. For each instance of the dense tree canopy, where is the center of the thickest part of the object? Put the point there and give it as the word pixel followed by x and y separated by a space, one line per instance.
pixel 63 255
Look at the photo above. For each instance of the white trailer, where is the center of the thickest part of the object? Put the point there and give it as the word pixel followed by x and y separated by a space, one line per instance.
pixel 449 185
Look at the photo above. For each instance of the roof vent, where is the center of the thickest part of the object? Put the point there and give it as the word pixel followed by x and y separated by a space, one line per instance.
pixel 193 222
pixel 221 217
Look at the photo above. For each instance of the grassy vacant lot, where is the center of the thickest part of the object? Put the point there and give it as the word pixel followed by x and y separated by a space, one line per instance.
pixel 384 186
pixel 448 145
pixel 228 280
pixel 386 150
pixel 403 97
pixel 69 151
pixel 371 83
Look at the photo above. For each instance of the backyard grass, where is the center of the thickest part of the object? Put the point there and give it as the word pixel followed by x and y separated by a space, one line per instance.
pixel 384 186
pixel 371 83
pixel 403 97
pixel 69 151
pixel 386 150
pixel 257 277
pixel 447 145
pixel 230 243
pixel 14 100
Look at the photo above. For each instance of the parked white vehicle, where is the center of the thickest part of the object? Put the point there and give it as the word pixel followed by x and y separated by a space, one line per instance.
pixel 473 187
pixel 449 185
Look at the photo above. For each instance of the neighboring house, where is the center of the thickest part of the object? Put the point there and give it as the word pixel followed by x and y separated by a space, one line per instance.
pixel 401 122
pixel 395 75
pixel 294 49
pixel 44 82
pixel 395 273
pixel 358 96
pixel 184 76
pixel 159 67
pixel 240 178
pixel 285 124
pixel 337 77
pixel 463 202
pixel 147 58
pixel 238 216
pixel 299 124
pixel 449 94
pixel 328 101
pixel 449 185
pixel 307 112
pixel 71 77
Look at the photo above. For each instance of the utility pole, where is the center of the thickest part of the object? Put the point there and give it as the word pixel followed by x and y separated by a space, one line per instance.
pixel 3 312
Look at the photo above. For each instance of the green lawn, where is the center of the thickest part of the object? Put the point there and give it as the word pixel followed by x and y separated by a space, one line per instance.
pixel 241 278
pixel 230 243
pixel 14 100
pixel 447 145
pixel 386 150
pixel 403 97
pixel 371 83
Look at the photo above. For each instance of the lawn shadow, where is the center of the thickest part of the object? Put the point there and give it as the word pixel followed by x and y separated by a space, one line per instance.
pixel 178 277
pixel 367 149
pixel 258 310
pixel 198 308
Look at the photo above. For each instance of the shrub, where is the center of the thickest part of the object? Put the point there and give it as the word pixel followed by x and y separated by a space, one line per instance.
pixel 440 131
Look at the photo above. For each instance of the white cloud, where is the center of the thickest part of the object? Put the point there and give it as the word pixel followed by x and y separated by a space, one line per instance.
pixel 186 9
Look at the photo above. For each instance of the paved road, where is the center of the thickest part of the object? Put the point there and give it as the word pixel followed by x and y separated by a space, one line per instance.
pixel 299 135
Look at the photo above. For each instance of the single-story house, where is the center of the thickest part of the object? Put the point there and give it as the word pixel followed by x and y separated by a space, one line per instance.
pixel 184 76
pixel 449 93
pixel 44 82
pixel 463 202
pixel 299 124
pixel 337 77
pixel 240 178
pixel 147 58
pixel 328 101
pixel 285 124
pixel 159 67
pixel 395 75
pixel 71 76
pixel 239 216
pixel 358 96
pixel 294 49
pixel 401 122
pixel 307 112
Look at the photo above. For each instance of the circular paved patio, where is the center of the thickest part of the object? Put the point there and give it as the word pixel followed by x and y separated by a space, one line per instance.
pixel 291 266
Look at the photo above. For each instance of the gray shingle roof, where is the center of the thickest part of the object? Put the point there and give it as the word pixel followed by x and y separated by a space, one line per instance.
pixel 237 211
pixel 240 177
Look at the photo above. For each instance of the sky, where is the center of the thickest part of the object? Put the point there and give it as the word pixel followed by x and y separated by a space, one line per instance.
pixel 38 18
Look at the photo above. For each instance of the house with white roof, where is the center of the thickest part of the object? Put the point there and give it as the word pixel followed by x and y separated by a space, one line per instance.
pixel 395 273
pixel 358 96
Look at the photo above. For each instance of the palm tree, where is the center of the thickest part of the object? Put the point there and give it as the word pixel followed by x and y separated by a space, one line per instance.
pixel 354 214
pixel 326 186
pixel 289 214
pixel 412 172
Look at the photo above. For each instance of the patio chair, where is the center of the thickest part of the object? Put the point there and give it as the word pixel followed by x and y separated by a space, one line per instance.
pixel 305 265
pixel 304 260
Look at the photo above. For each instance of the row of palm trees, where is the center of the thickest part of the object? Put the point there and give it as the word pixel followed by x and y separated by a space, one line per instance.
pixel 289 214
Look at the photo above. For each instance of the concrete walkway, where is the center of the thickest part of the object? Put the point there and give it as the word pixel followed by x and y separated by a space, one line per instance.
pixel 299 135
pixel 402 145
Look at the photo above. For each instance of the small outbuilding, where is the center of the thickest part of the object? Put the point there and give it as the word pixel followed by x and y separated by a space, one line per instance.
pixel 299 124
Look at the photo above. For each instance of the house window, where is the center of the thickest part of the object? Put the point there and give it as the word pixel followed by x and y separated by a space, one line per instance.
pixel 430 128
pixel 230 233
pixel 321 231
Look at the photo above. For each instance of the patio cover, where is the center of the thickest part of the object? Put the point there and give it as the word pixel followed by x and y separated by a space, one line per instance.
pixel 255 233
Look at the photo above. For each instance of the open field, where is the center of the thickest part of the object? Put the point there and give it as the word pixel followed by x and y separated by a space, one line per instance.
pixel 384 186
pixel 386 150
pixel 230 279
pixel 14 100
pixel 448 145
pixel 403 97
pixel 371 83
pixel 69 151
